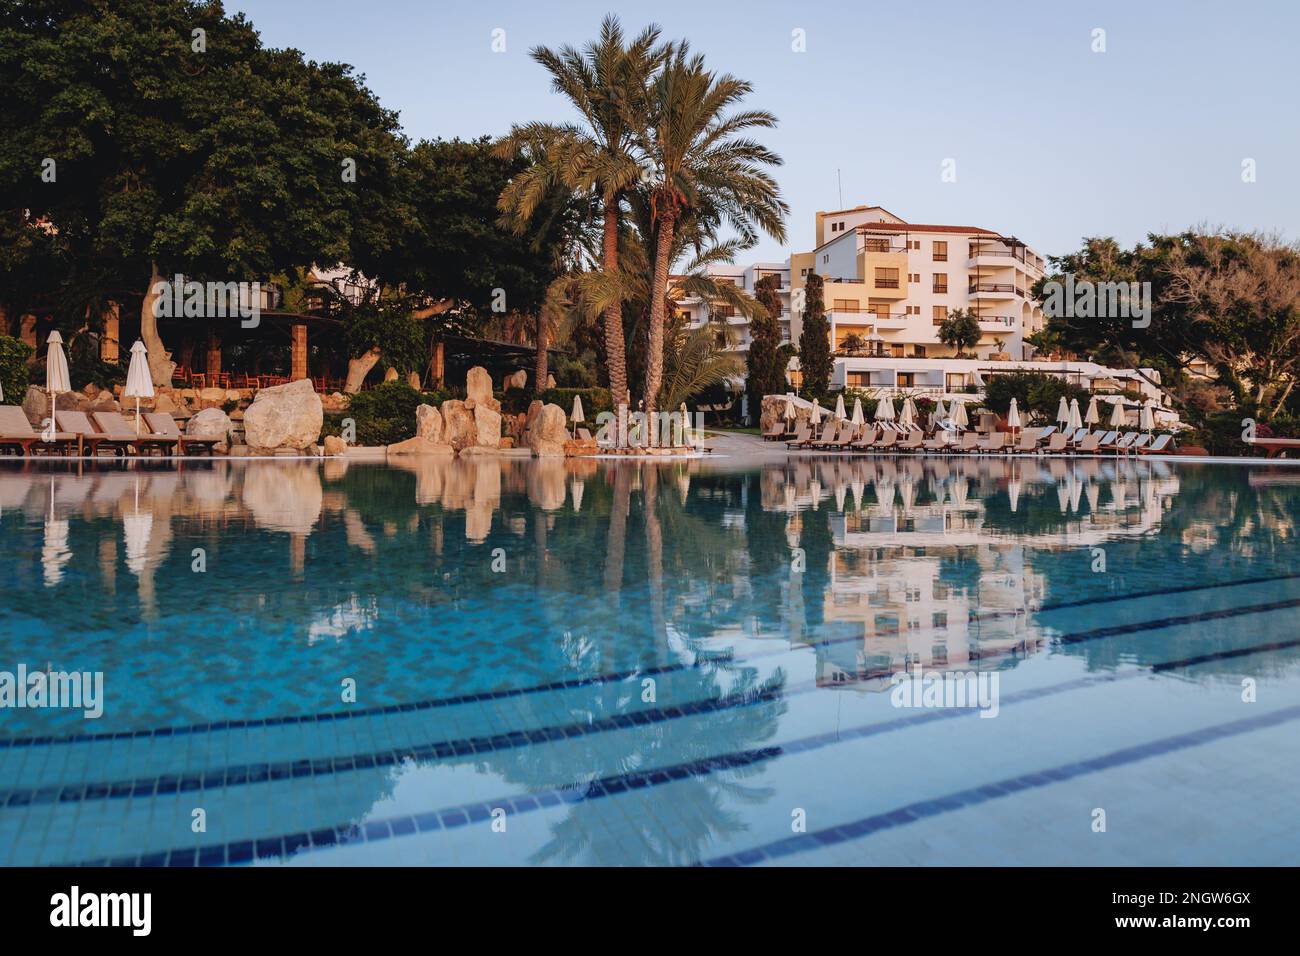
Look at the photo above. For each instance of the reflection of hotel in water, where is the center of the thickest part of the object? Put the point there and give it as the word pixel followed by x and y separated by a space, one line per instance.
pixel 920 579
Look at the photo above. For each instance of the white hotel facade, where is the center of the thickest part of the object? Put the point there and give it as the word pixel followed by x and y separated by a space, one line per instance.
pixel 890 284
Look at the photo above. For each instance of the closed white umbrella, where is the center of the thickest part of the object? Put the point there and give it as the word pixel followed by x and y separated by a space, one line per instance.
pixel 1147 418
pixel 958 415
pixel 909 412
pixel 1093 417
pixel 56 373
pixel 1076 419
pixel 789 410
pixel 858 418
pixel 839 407
pixel 885 410
pixel 815 416
pixel 905 416
pixel 1013 417
pixel 1063 413
pixel 139 383
pixel 577 406
pixel 1117 418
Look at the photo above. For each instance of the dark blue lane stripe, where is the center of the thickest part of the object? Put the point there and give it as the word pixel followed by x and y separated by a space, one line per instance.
pixel 576 682
pixel 973 796
pixel 450 818
pixel 248 774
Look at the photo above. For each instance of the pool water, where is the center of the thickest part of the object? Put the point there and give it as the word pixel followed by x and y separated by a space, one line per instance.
pixel 615 663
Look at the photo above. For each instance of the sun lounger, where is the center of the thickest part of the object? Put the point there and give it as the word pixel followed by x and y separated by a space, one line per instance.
pixel 1140 443
pixel 837 439
pixel 1029 441
pixel 1090 444
pixel 164 426
pixel 969 442
pixel 937 443
pixel 1107 442
pixel 92 439
pixel 888 439
pixel 775 432
pixel 1158 447
pixel 16 432
pixel 995 441
pixel 802 437
pixel 863 442
pixel 912 441
pixel 1057 443
pixel 116 428
pixel 1123 442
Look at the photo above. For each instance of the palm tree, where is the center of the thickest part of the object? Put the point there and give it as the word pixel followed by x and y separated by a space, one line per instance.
pixel 606 83
pixel 698 158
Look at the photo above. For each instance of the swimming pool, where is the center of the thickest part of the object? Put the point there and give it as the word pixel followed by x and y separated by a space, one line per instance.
pixel 578 662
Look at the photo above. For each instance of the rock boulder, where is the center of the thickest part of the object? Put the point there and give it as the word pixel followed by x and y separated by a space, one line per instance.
pixel 284 417
pixel 487 424
pixel 428 424
pixel 459 428
pixel 211 423
pixel 421 446
pixel 546 432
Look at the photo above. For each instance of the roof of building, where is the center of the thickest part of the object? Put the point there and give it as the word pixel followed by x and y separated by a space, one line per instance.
pixel 923 227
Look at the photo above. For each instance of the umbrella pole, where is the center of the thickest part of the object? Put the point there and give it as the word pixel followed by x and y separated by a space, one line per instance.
pixel 137 416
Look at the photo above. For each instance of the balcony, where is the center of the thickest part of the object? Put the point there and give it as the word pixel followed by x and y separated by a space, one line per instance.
pixel 997 323
pixel 993 290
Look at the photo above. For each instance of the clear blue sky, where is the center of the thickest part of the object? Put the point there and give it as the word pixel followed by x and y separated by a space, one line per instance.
pixel 1052 141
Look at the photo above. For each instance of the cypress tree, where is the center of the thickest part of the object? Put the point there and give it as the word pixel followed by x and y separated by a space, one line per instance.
pixel 815 358
pixel 765 366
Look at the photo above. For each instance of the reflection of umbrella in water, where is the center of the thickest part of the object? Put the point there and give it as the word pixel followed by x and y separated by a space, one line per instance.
pixel 683 486
pixel 1063 496
pixel 789 496
pixel 858 487
pixel 907 492
pixel 137 529
pixel 54 553
pixel 1013 493
pixel 1076 490
pixel 960 491
pixel 576 488
pixel 839 495
pixel 1093 492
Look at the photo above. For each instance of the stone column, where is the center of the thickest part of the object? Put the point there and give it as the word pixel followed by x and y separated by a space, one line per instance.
pixel 298 359
pixel 109 341
pixel 214 357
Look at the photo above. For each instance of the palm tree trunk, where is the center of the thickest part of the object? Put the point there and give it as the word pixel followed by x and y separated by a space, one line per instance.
pixel 654 360
pixel 540 372
pixel 161 366
pixel 615 356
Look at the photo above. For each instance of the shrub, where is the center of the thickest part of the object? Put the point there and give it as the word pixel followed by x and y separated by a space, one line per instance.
pixel 14 371
pixel 385 414
pixel 1037 394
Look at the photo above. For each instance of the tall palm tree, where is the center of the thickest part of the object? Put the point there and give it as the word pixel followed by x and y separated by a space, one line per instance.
pixel 699 158
pixel 607 84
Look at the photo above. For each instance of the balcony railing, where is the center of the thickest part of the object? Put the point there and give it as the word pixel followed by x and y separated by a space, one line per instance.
pixel 1009 321
pixel 886 283
pixel 991 287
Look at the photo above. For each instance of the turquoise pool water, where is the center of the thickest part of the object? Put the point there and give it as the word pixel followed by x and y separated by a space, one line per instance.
pixel 506 662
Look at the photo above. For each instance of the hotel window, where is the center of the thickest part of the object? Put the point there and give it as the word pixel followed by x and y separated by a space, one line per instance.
pixel 939 619
pixel 896 351
pixel 918 351
pixel 844 305
pixel 859 379
pixel 914 244
pixel 876 245
pixel 886 278
pixel 913 310
pixel 826 259
pixel 940 280
pixel 879 309
pixel 914 277
pixel 939 313
pixel 940 251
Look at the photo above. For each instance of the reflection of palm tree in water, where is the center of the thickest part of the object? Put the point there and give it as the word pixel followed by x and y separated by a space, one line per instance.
pixel 732 726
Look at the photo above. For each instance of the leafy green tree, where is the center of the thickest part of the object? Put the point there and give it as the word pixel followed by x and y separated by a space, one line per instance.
pixel 208 155
pixel 14 370
pixel 699 155
pixel 815 359
pixel 766 362
pixel 960 330
pixel 1037 394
